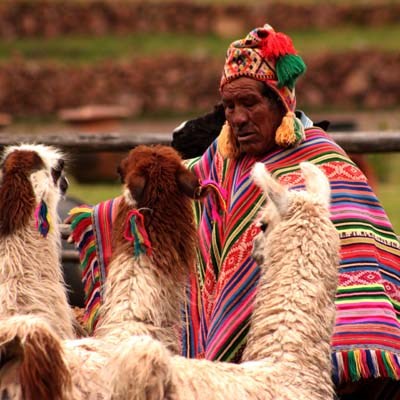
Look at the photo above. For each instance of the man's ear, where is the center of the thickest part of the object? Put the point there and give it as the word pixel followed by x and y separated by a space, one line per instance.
pixel 188 183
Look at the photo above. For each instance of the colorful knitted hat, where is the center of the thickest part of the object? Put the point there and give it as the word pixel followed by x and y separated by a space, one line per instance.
pixel 269 57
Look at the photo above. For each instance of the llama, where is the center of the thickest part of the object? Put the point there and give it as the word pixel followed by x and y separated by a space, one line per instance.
pixel 153 258
pixel 191 138
pixel 288 351
pixel 144 293
pixel 31 276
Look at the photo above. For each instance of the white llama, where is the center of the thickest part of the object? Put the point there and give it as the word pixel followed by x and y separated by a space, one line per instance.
pixel 288 349
pixel 31 278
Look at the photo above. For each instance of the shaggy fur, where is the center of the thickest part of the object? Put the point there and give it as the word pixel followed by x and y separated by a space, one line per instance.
pixel 143 294
pixel 31 278
pixel 293 318
pixel 294 311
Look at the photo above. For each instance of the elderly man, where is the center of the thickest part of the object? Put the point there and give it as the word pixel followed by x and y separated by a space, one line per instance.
pixel 257 91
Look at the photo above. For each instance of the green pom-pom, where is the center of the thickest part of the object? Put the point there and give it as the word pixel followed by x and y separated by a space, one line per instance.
pixel 288 69
pixel 298 130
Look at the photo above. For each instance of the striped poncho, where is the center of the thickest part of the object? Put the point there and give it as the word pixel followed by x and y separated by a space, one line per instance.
pixel 366 340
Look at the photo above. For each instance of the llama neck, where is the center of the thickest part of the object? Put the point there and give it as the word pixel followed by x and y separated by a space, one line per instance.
pixel 144 294
pixel 294 311
pixel 31 278
pixel 140 299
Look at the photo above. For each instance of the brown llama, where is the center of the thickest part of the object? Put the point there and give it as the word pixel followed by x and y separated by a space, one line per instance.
pixel 155 238
pixel 143 293
pixel 288 350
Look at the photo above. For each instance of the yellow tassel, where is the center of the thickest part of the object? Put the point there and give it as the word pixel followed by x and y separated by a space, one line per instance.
pixel 227 143
pixel 285 135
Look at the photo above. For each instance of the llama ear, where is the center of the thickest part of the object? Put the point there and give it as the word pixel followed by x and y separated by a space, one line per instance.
pixel 11 350
pixel 317 183
pixel 277 193
pixel 136 184
pixel 188 183
pixel 121 169
pixel 17 202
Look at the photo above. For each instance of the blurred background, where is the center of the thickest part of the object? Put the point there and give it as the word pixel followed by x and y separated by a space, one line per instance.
pixel 98 66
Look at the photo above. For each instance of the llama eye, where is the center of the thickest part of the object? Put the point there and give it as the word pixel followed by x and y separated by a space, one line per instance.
pixel 263 226
pixel 55 174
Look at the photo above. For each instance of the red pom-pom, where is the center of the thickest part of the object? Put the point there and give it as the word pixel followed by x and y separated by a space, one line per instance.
pixel 277 44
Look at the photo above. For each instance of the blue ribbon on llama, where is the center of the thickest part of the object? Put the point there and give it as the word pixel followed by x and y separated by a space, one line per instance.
pixel 42 219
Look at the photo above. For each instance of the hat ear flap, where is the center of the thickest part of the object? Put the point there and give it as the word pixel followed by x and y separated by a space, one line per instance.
pixel 227 144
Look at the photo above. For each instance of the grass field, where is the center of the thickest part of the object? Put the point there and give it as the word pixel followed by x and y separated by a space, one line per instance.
pixel 87 49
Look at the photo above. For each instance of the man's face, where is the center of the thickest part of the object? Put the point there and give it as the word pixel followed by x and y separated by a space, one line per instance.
pixel 253 117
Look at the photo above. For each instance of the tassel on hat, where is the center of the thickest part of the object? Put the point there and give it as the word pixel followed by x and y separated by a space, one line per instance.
pixel 227 143
pixel 290 131
pixel 288 69
pixel 288 64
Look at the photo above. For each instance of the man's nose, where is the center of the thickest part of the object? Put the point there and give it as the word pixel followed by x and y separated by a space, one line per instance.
pixel 239 117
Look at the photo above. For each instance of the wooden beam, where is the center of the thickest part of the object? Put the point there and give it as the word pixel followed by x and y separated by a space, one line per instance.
pixel 352 142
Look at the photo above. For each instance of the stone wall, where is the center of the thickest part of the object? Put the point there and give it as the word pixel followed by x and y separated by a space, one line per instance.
pixel 47 18
pixel 183 84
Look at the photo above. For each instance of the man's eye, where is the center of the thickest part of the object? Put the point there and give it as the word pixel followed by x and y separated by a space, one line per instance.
pixel 249 103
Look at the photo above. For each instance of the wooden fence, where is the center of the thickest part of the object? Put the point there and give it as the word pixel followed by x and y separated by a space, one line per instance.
pixel 352 142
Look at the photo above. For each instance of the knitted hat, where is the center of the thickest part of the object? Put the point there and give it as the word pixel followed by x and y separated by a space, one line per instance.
pixel 269 57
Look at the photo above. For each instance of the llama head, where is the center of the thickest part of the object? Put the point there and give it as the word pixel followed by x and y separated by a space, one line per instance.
pixel 153 175
pixel 30 175
pixel 158 191
pixel 191 138
pixel 282 203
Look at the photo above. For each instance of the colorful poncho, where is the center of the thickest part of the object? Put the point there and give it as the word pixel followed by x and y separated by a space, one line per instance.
pixel 91 233
pixel 366 340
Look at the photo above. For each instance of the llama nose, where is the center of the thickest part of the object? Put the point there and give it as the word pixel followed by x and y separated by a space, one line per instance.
pixel 63 185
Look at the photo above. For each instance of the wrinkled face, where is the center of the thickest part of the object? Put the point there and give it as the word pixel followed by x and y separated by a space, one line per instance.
pixel 253 117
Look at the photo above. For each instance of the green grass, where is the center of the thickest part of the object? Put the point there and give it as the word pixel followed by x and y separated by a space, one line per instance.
pixel 87 49
pixel 93 193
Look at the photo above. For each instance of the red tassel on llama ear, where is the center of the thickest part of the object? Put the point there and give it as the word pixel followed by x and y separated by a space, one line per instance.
pixel 42 219
pixel 135 232
pixel 290 132
pixel 217 200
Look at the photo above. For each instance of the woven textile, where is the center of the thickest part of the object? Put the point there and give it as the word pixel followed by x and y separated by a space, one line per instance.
pixel 91 233
pixel 366 340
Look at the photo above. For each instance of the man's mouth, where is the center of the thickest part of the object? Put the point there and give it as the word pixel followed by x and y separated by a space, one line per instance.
pixel 245 136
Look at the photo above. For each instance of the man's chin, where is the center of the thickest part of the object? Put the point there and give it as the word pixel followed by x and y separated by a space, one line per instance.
pixel 249 149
